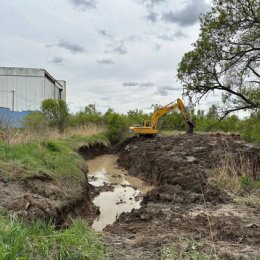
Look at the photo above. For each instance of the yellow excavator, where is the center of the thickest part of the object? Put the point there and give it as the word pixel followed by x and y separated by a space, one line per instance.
pixel 150 127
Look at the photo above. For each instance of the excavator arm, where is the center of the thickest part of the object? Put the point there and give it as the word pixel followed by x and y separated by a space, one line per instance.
pixel 150 128
pixel 162 111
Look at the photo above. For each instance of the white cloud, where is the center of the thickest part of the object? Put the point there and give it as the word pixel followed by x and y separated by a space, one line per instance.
pixel 84 4
pixel 97 46
pixel 189 15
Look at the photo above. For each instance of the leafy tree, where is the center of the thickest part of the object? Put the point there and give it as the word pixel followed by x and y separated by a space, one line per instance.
pixel 91 109
pixel 172 121
pixel 250 128
pixel 88 115
pixel 200 113
pixel 56 111
pixel 226 56
pixel 213 112
pixel 136 116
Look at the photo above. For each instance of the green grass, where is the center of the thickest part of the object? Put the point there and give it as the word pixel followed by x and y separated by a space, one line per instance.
pixel 57 158
pixel 37 240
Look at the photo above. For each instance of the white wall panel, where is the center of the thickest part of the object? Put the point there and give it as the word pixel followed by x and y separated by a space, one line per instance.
pixel 49 89
pixel 31 87
pixel 28 92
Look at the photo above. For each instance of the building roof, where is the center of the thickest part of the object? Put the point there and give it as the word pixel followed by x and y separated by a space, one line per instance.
pixel 31 72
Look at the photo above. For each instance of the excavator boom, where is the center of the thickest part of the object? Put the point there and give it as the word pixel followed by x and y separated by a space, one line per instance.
pixel 150 128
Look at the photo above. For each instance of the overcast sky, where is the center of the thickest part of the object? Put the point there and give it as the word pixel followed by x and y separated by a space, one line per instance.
pixel 113 53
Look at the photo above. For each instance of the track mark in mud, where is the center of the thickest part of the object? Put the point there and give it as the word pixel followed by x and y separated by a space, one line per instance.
pixel 125 191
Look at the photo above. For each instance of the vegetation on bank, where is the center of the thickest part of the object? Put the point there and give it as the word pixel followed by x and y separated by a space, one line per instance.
pixel 57 157
pixel 38 240
pixel 239 177
pixel 38 150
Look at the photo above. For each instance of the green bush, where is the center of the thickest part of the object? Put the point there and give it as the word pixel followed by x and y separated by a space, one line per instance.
pixel 82 118
pixel 172 121
pixel 56 112
pixel 117 126
pixel 52 146
pixel 35 121
pixel 250 128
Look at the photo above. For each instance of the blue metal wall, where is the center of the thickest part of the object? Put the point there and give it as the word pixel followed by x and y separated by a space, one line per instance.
pixel 10 118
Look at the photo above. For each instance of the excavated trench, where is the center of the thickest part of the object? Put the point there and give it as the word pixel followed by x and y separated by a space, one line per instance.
pixel 183 204
pixel 119 192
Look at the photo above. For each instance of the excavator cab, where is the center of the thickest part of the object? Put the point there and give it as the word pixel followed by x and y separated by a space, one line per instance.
pixel 147 123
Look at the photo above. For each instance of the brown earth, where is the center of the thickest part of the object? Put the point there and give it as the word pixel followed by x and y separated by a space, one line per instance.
pixel 185 207
pixel 44 197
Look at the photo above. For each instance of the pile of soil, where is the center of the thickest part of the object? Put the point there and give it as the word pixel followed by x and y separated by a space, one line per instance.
pixel 185 204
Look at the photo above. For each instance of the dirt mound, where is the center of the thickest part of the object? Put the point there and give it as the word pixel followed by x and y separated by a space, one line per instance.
pixel 184 203
pixel 185 161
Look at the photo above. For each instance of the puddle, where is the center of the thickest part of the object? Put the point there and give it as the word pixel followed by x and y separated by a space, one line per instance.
pixel 125 196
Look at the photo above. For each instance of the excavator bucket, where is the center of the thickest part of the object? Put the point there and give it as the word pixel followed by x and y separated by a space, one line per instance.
pixel 190 127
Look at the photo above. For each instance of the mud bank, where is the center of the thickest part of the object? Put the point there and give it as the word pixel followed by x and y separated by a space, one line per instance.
pixel 43 196
pixel 185 205
pixel 91 151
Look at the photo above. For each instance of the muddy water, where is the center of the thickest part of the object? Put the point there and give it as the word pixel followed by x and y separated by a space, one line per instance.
pixel 127 191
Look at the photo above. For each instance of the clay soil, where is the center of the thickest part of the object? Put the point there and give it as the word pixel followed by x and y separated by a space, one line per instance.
pixel 186 211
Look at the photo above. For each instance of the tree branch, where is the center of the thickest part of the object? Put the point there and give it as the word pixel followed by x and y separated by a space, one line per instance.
pixel 257 74
pixel 234 110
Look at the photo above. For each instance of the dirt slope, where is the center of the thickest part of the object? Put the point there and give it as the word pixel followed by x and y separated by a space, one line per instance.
pixel 45 197
pixel 185 206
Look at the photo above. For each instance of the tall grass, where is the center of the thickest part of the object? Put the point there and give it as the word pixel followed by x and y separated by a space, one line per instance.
pixel 85 130
pixel 27 135
pixel 41 241
pixel 239 176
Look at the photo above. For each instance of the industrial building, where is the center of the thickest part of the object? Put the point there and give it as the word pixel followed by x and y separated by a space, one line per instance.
pixel 23 89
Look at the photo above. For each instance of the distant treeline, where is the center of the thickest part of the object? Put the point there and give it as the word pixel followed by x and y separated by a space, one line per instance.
pixel 118 124
pixel 205 121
